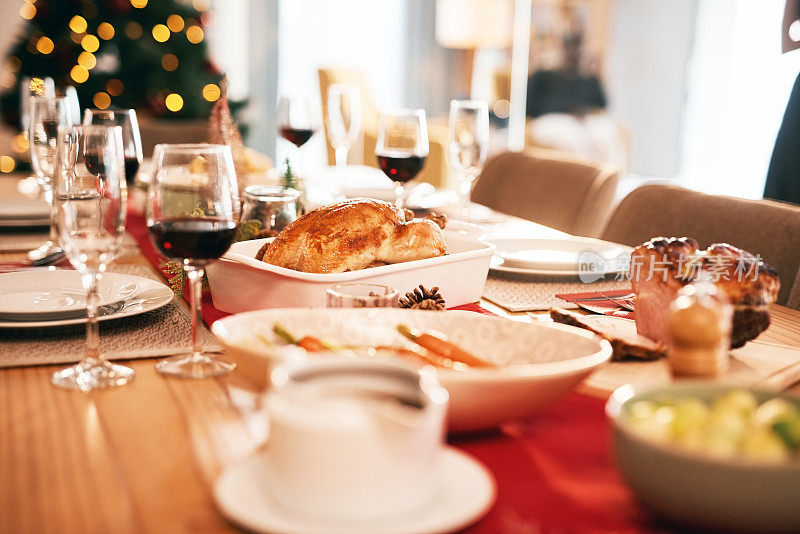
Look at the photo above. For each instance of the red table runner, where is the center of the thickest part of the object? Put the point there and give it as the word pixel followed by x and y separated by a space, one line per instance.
pixel 554 471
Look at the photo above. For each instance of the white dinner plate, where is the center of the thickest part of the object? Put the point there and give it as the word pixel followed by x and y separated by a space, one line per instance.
pixel 572 256
pixel 59 294
pixel 149 295
pixel 468 491
pixel 21 208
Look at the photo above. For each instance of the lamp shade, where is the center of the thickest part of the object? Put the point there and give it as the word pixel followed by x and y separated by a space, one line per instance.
pixel 474 23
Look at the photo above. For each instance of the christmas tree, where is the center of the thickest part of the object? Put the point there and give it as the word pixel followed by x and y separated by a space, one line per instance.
pixel 150 55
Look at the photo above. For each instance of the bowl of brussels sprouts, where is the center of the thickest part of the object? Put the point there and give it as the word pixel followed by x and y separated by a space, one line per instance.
pixel 711 456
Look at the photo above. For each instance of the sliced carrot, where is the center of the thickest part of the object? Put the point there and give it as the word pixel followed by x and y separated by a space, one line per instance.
pixel 438 344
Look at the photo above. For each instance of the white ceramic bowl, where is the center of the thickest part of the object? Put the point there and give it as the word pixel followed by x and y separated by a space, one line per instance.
pixel 698 490
pixel 537 362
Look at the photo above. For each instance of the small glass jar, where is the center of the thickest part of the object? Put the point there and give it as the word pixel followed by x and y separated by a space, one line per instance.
pixel 700 322
pixel 358 295
pixel 274 207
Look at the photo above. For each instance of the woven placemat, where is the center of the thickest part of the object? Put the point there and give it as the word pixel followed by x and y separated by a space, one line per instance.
pixel 157 333
pixel 518 293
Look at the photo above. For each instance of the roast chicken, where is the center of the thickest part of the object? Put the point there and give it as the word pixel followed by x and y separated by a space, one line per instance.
pixel 353 235
pixel 661 267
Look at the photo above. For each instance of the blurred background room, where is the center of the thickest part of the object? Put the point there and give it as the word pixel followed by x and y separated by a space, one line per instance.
pixel 688 91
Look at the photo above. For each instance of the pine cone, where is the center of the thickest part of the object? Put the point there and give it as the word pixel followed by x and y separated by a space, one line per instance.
pixel 423 299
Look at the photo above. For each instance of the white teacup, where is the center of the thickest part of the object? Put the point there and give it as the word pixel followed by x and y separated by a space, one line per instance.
pixel 354 438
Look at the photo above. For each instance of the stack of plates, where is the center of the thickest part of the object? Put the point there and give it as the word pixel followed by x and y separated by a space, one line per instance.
pixel 37 298
pixel 572 256
pixel 20 211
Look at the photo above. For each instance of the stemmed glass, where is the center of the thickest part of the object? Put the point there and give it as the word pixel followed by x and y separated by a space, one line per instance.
pixel 402 147
pixel 192 213
pixel 468 139
pixel 344 119
pixel 131 139
pixel 46 114
pixel 298 120
pixel 90 217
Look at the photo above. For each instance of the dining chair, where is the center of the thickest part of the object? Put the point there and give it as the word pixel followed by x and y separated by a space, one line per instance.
pixel 436 169
pixel 567 193
pixel 770 229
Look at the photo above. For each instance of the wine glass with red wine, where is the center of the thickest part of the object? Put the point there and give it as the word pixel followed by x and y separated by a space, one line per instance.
pixel 298 121
pixel 131 139
pixel 402 147
pixel 90 217
pixel 192 213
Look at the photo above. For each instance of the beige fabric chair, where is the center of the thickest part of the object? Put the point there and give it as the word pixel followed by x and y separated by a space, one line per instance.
pixel 567 193
pixel 771 229
pixel 436 169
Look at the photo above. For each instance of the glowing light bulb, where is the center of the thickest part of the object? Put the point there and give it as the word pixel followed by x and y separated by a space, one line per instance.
pixel 45 45
pixel 79 74
pixel 160 33
pixel 101 100
pixel 87 60
pixel 195 34
pixel 78 24
pixel 211 92
pixel 174 102
pixel 175 23
pixel 27 11
pixel 105 31
pixel 90 43
pixel 169 62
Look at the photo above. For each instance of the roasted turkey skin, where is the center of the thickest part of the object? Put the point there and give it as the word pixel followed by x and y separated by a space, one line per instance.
pixel 352 235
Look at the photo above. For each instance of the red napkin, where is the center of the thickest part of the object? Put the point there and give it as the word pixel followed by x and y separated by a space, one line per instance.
pixel 613 303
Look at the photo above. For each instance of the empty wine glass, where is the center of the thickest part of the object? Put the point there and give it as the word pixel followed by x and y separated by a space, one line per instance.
pixel 402 147
pixel 468 140
pixel 46 114
pixel 192 213
pixel 131 139
pixel 298 120
pixel 344 119
pixel 90 217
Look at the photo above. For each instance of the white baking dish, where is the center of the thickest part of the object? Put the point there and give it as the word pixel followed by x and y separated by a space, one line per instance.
pixel 241 283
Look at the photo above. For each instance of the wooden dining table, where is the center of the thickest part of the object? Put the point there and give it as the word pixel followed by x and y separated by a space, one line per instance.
pixel 144 457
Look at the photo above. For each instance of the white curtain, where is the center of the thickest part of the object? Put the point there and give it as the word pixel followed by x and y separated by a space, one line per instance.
pixel 738 86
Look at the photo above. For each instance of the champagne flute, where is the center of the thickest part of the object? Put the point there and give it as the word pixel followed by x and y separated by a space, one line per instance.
pixel 46 114
pixel 298 121
pixel 192 213
pixel 344 119
pixel 468 140
pixel 402 147
pixel 131 138
pixel 90 217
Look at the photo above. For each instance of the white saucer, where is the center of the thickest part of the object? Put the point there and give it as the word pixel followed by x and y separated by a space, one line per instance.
pixel 149 295
pixel 46 295
pixel 469 491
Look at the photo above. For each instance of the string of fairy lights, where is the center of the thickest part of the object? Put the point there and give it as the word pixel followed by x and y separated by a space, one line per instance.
pixel 173 27
pixel 78 25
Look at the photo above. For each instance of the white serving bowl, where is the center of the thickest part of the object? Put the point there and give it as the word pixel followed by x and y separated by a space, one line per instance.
pixel 699 490
pixel 240 283
pixel 537 362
